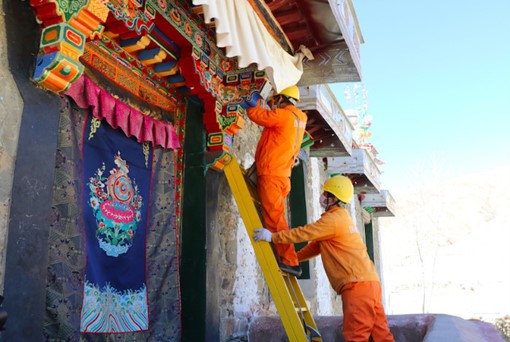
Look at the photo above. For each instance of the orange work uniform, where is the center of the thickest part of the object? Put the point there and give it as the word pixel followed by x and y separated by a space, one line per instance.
pixel 350 271
pixel 277 149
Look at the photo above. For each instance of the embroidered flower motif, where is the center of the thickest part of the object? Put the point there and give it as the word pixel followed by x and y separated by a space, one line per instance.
pixel 94 202
pixel 117 210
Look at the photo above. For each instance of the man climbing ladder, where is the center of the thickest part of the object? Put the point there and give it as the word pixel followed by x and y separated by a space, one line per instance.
pixel 280 142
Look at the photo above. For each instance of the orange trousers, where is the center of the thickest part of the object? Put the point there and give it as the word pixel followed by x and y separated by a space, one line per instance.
pixel 364 315
pixel 273 191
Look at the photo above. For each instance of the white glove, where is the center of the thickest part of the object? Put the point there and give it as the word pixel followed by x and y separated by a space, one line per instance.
pixel 262 234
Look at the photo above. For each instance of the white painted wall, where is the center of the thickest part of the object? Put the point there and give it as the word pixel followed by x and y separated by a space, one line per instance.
pixel 246 285
pixel 321 294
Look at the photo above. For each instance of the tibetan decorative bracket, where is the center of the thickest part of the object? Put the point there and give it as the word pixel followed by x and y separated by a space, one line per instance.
pixel 66 27
pixel 219 143
pixel 224 116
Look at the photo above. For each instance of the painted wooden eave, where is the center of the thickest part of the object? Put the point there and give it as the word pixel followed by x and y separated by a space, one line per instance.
pixel 361 169
pixel 330 30
pixel 381 204
pixel 327 123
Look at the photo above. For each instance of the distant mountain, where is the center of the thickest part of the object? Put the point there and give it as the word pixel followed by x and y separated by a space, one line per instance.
pixel 448 248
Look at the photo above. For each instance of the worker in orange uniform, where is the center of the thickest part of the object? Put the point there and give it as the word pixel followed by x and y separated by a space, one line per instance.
pixel 278 147
pixel 350 271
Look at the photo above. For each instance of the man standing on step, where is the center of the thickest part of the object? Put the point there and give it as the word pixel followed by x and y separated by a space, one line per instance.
pixel 350 271
pixel 280 142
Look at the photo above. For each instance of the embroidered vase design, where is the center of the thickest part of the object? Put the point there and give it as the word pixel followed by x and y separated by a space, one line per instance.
pixel 117 211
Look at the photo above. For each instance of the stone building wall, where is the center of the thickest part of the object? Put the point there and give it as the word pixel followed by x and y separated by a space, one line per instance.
pixel 11 106
pixel 243 292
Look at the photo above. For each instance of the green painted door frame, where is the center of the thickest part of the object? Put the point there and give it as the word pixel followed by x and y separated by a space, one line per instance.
pixel 297 204
pixel 369 238
pixel 193 228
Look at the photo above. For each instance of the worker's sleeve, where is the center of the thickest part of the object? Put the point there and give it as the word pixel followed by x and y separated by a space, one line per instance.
pixel 309 251
pixel 324 228
pixel 264 117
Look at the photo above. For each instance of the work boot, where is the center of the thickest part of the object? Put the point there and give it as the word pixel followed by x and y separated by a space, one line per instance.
pixel 294 270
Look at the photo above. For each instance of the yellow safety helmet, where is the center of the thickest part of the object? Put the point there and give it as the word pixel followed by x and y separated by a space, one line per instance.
pixel 341 187
pixel 292 92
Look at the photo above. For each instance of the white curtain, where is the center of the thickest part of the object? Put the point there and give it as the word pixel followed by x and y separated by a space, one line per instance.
pixel 243 35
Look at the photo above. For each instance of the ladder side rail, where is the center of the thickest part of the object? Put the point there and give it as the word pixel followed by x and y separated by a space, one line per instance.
pixel 293 283
pixel 264 253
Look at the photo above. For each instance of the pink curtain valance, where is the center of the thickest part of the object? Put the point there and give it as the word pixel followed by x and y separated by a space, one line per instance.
pixel 118 114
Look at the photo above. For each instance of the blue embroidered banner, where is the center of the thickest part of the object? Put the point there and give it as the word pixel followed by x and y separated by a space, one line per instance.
pixel 117 180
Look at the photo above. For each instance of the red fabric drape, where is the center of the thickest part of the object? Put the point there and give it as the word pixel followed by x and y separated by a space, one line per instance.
pixel 120 115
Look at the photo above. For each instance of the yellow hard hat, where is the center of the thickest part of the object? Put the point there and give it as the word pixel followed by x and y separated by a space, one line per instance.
pixel 341 187
pixel 292 91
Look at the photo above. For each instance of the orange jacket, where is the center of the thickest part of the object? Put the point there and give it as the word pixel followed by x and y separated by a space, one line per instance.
pixel 281 138
pixel 335 237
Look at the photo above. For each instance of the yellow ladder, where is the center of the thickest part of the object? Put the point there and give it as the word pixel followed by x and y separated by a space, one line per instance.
pixel 285 290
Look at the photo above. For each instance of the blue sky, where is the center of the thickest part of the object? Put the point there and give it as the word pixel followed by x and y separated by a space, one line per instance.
pixel 438 80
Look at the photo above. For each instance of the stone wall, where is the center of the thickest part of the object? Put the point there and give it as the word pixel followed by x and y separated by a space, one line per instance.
pixel 243 292
pixel 11 106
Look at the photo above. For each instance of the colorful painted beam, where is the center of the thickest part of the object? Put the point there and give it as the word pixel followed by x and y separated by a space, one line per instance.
pixel 98 57
pixel 229 120
pixel 152 56
pixel 64 38
pixel 56 71
pixel 176 57
pixel 176 81
pixel 58 66
pixel 166 69
pixel 66 27
pixel 135 44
